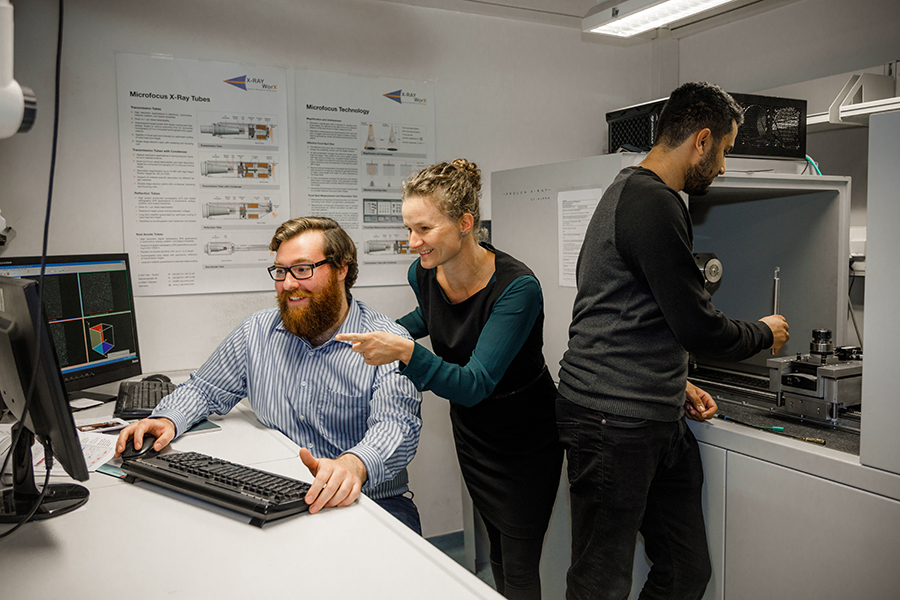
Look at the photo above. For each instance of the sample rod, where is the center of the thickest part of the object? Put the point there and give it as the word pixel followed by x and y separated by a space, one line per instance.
pixel 777 295
pixel 777 291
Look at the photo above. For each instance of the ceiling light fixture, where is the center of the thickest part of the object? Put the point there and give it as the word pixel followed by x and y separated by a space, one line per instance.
pixel 633 17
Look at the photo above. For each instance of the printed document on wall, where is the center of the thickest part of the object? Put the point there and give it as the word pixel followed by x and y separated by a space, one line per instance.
pixel 576 207
pixel 360 137
pixel 205 172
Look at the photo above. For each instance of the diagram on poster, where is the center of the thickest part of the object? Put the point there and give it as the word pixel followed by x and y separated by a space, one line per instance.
pixel 363 136
pixel 205 172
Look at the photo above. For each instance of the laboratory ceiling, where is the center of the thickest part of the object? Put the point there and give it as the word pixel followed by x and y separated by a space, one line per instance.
pixel 567 13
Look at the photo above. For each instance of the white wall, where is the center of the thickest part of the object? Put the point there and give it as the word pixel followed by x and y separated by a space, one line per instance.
pixel 508 94
pixel 797 42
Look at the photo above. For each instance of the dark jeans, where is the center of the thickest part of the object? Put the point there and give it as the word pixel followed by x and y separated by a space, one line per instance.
pixel 404 509
pixel 626 476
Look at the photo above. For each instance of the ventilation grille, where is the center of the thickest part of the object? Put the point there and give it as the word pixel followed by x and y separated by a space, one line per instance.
pixel 634 128
pixel 773 127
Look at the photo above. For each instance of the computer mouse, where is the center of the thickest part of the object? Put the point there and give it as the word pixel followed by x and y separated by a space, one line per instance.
pixel 146 451
pixel 157 377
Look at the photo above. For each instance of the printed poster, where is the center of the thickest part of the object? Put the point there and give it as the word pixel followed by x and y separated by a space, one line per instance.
pixel 360 137
pixel 205 172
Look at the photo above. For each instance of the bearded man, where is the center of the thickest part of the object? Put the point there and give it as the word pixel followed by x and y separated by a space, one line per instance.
pixel 358 425
pixel 634 466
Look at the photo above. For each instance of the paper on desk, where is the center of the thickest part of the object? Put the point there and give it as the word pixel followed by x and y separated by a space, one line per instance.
pixel 95 425
pixel 97 448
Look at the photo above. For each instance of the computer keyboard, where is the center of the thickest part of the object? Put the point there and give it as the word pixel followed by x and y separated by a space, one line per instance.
pixel 137 399
pixel 260 495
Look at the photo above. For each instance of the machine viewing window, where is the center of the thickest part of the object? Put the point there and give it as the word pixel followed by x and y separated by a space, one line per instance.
pixel 89 306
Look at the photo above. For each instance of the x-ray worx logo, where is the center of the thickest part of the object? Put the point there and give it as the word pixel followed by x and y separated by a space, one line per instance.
pixel 402 97
pixel 252 84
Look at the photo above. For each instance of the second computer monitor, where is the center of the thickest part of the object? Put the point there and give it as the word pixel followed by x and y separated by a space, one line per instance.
pixel 89 306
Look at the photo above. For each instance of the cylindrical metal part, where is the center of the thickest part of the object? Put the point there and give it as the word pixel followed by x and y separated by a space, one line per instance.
pixel 821 342
pixel 211 168
pixel 776 304
pixel 222 129
pixel 710 267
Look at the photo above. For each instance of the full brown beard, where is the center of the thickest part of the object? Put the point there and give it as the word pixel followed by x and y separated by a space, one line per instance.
pixel 320 314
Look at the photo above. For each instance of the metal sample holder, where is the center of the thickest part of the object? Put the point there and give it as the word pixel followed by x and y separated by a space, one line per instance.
pixel 824 386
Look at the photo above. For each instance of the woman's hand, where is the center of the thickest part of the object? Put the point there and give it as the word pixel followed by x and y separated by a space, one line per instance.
pixel 379 347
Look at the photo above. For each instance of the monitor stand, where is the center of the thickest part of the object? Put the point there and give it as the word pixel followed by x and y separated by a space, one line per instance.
pixel 18 502
pixel 81 399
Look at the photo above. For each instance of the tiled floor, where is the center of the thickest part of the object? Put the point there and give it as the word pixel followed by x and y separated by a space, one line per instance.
pixel 451 544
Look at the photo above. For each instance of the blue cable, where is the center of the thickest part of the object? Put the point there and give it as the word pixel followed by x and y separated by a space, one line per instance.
pixel 813 163
pixel 727 418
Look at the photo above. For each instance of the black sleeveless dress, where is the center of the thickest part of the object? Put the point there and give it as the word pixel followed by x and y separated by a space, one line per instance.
pixel 507 444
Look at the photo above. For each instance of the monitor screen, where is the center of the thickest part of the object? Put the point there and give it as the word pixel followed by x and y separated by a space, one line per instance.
pixel 31 387
pixel 90 310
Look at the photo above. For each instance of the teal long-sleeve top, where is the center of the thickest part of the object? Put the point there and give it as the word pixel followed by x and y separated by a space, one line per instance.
pixel 502 336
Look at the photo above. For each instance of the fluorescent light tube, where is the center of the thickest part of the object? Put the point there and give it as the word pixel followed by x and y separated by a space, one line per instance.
pixel 633 16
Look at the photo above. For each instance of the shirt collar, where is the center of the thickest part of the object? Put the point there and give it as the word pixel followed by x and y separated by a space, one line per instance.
pixel 352 324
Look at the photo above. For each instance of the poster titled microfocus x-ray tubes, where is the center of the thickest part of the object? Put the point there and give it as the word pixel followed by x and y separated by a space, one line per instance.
pixel 205 172
pixel 360 137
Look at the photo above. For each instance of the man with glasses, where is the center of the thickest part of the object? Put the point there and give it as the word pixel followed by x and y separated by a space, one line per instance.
pixel 358 425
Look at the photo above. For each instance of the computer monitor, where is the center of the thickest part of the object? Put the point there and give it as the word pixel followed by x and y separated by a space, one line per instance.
pixel 30 374
pixel 90 308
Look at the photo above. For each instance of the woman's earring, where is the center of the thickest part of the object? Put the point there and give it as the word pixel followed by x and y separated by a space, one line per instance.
pixel 463 234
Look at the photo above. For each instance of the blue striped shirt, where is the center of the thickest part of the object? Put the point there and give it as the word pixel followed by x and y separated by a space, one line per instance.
pixel 325 398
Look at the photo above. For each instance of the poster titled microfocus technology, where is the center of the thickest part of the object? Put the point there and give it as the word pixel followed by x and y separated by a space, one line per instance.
pixel 359 139
pixel 205 172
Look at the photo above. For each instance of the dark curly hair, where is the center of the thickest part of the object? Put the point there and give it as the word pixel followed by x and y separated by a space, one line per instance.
pixel 695 106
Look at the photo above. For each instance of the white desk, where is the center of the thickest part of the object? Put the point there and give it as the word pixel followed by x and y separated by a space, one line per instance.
pixel 143 541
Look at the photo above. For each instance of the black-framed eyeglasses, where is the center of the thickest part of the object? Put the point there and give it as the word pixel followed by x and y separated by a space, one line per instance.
pixel 301 271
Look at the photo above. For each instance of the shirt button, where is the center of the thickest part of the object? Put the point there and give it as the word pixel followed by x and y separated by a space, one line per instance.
pixel 302 418
pixel 310 353
pixel 303 384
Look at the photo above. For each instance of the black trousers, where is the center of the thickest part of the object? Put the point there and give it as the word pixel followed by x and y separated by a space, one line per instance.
pixel 626 476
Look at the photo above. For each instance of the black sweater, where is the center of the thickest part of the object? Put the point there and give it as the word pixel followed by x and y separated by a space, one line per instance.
pixel 642 306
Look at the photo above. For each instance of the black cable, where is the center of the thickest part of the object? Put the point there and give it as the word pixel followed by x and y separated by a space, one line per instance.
pixel 41 325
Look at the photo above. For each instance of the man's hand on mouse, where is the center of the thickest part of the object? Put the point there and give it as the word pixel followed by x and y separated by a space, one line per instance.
pixel 162 428
pixel 338 481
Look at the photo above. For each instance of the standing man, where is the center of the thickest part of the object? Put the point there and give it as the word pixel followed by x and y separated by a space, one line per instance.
pixel 634 466
pixel 358 424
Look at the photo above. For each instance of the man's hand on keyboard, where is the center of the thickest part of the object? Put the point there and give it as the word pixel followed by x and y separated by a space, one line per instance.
pixel 338 481
pixel 162 428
